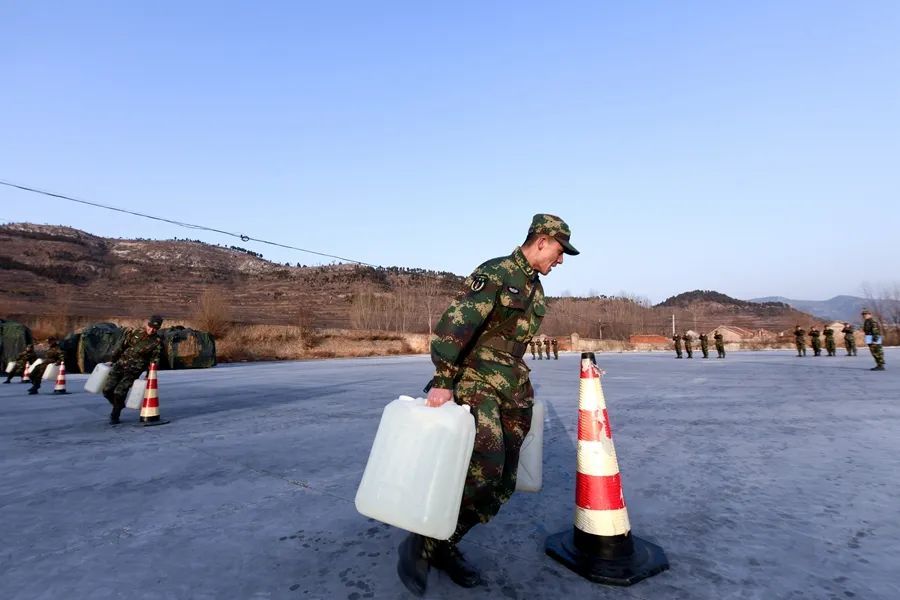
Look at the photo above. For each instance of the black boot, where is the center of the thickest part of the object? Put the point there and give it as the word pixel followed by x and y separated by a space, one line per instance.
pixel 878 368
pixel 32 391
pixel 412 566
pixel 450 560
pixel 114 416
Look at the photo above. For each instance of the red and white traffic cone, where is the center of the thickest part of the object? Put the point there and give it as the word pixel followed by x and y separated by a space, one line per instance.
pixel 600 547
pixel 25 377
pixel 150 405
pixel 60 387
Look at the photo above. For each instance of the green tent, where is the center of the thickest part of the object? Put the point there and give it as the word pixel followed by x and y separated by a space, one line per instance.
pixel 185 348
pixel 13 339
pixel 97 344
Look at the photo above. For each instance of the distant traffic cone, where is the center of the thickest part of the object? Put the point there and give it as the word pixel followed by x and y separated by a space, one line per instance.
pixel 25 377
pixel 150 405
pixel 60 387
pixel 601 547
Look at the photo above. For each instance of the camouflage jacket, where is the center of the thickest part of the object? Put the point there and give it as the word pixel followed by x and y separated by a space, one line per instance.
pixel 704 339
pixel 829 332
pixel 799 334
pixel 138 349
pixel 53 356
pixel 26 356
pixel 870 327
pixel 814 333
pixel 497 291
pixel 847 331
pixel 719 338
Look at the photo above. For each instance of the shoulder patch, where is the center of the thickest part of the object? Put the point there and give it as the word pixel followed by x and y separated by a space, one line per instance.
pixel 478 283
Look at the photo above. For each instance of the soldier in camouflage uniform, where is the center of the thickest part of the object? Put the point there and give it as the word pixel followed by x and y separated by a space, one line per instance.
pixel 677 339
pixel 547 348
pixel 720 344
pixel 53 356
pixel 874 339
pixel 829 341
pixel 800 340
pixel 139 348
pixel 554 343
pixel 688 345
pixel 814 334
pixel 25 357
pixel 540 348
pixel 849 339
pixel 531 343
pixel 477 352
pixel 704 345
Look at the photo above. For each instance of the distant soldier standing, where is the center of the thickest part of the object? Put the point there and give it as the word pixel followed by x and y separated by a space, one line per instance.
pixel 849 339
pixel 688 346
pixel 814 334
pixel 554 343
pixel 540 349
pixel 800 340
pixel 874 339
pixel 531 343
pixel 54 356
pixel 139 348
pixel 704 345
pixel 720 344
pixel 26 356
pixel 829 341
pixel 677 339
pixel 547 347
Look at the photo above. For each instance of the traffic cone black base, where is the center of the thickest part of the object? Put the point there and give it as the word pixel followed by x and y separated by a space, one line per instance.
pixel 646 559
pixel 152 423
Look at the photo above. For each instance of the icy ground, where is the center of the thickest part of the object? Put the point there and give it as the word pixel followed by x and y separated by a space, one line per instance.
pixel 762 476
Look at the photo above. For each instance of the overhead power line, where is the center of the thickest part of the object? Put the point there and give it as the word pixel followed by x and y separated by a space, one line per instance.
pixel 240 236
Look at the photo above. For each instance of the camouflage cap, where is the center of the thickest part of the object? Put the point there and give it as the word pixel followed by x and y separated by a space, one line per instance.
pixel 554 227
pixel 155 321
pixel 865 311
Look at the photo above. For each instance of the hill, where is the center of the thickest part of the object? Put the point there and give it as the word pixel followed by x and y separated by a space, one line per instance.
pixel 839 308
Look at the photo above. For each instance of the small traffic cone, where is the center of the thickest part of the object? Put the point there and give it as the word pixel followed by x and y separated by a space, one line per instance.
pixel 60 387
pixel 150 405
pixel 25 377
pixel 600 547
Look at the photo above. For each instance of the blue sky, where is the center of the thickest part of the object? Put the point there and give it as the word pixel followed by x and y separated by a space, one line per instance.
pixel 751 148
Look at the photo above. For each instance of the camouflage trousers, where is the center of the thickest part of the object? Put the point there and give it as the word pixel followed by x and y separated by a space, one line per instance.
pixel 877 353
pixel 119 382
pixel 816 346
pixel 678 351
pixel 801 348
pixel 830 347
pixel 37 374
pixel 499 433
pixel 720 350
pixel 850 345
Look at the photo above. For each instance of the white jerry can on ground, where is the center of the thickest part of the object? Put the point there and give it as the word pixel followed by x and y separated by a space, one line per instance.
pixel 10 366
pixel 50 373
pixel 136 394
pixel 97 380
pixel 530 476
pixel 416 470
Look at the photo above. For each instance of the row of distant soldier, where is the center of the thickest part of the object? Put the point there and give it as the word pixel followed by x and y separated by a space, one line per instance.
pixel 830 345
pixel 545 347
pixel 687 339
pixel 871 329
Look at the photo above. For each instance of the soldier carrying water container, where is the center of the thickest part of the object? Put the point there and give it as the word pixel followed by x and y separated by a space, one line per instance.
pixel 139 348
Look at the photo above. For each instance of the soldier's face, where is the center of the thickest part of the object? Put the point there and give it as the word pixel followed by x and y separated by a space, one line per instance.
pixel 150 329
pixel 550 254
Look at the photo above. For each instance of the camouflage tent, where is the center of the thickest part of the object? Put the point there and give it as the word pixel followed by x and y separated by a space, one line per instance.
pixel 185 348
pixel 13 339
pixel 97 344
pixel 69 347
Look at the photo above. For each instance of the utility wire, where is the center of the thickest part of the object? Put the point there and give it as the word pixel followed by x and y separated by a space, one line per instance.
pixel 240 236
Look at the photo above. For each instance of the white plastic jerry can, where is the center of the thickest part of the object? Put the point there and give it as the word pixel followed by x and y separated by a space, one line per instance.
pixel 530 476
pixel 417 468
pixel 136 394
pixel 50 373
pixel 97 380
pixel 10 366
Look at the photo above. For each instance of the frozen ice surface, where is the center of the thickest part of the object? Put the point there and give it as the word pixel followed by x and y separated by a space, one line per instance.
pixel 762 476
